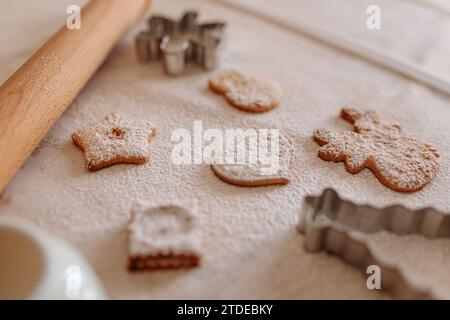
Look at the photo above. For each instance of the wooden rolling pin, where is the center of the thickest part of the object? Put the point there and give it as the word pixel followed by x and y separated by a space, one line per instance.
pixel 38 93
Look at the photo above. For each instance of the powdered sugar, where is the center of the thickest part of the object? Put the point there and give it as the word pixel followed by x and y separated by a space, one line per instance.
pixel 251 248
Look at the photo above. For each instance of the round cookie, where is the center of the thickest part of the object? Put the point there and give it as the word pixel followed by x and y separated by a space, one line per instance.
pixel 259 174
pixel 249 94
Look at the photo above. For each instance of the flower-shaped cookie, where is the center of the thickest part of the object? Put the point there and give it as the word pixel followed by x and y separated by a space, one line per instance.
pixel 115 140
pixel 247 93
pixel 400 162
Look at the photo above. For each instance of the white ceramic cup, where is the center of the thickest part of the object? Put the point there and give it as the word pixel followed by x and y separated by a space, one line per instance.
pixel 35 265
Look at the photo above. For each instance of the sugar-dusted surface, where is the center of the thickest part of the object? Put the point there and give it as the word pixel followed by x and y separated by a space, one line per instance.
pixel 252 249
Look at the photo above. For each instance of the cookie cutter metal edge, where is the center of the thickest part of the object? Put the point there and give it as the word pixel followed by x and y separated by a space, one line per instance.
pixel 182 42
pixel 336 225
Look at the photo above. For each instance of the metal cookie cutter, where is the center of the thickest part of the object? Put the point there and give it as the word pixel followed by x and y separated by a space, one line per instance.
pixel 335 225
pixel 180 43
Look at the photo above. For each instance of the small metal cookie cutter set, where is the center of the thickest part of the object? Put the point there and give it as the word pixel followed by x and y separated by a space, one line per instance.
pixel 337 226
pixel 180 43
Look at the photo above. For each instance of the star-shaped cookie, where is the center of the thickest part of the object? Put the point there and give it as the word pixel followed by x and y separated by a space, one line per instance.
pixel 114 140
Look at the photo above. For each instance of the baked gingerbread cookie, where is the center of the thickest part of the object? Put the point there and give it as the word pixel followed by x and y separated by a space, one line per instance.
pixel 164 237
pixel 400 162
pixel 249 94
pixel 263 172
pixel 115 140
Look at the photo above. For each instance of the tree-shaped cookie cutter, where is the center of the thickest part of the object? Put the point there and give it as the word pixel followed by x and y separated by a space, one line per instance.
pixel 180 43
pixel 335 225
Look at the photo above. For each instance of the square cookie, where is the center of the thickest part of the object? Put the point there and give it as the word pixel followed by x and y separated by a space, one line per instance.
pixel 164 237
